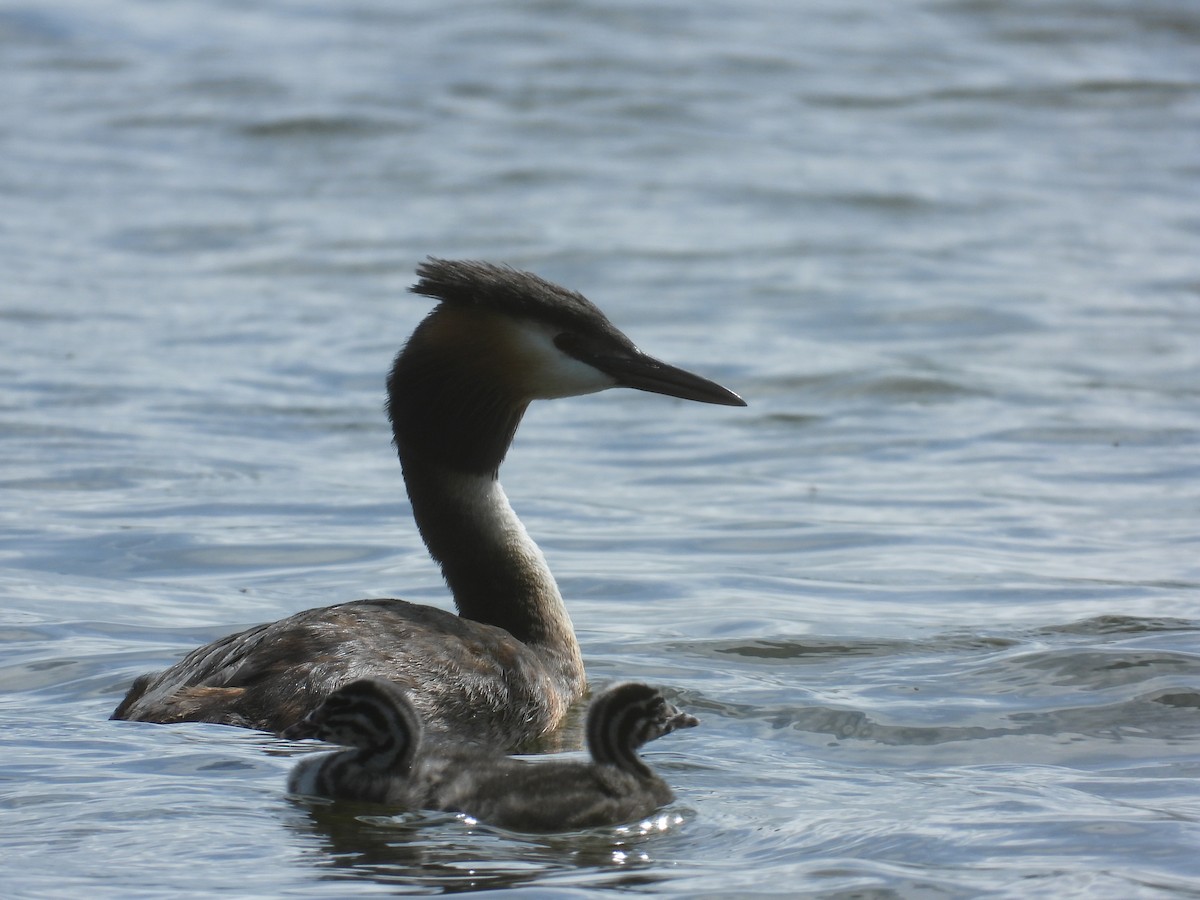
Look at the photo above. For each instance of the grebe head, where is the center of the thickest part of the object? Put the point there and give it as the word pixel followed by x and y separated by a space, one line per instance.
pixel 626 716
pixel 498 339
pixel 371 714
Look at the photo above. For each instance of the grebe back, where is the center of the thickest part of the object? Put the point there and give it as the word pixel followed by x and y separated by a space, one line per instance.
pixel 506 668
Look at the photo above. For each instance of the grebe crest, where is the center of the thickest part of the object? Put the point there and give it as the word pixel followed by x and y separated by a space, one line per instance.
pixel 507 667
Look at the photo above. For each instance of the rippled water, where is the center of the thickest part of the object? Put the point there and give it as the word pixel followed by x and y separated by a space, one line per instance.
pixel 934 593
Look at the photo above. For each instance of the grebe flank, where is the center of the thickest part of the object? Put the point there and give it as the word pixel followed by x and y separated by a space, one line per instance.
pixel 506 668
pixel 391 765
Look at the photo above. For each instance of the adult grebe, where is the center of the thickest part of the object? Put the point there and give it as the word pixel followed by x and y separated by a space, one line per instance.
pixel 506 668
pixel 392 765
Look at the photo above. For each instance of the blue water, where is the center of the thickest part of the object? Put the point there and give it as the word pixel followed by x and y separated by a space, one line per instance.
pixel 935 594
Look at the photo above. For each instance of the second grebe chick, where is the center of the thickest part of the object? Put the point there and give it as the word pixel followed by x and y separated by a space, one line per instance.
pixel 392 766
pixel 614 787
pixel 506 668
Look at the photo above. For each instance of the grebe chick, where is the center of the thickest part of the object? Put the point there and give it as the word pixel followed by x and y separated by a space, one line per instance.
pixel 507 667
pixel 392 766
pixel 374 717
pixel 615 786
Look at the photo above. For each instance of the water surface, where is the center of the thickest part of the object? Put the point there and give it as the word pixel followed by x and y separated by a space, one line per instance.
pixel 934 593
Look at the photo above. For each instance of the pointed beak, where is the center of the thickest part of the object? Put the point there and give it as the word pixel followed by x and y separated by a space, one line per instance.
pixel 645 373
pixel 681 720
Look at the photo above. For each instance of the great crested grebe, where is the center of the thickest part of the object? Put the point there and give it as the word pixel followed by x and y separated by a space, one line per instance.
pixel 507 667
pixel 391 764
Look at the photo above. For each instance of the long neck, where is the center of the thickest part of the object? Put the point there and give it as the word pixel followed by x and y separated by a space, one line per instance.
pixel 614 734
pixel 391 755
pixel 495 571
pixel 453 421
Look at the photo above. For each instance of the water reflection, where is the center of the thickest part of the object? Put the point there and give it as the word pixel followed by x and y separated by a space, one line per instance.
pixel 450 853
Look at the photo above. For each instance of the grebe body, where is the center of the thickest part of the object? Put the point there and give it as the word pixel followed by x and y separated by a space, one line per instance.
pixel 506 668
pixel 390 764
